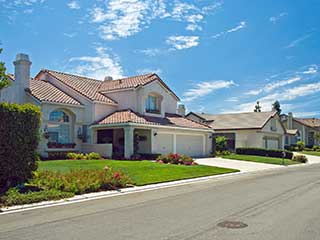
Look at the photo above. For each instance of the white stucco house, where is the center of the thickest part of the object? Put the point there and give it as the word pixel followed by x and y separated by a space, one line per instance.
pixel 252 129
pixel 113 117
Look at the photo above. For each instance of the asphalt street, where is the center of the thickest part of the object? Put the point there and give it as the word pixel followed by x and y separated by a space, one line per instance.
pixel 279 204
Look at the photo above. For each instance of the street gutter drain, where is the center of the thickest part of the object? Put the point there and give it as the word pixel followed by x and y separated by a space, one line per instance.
pixel 232 224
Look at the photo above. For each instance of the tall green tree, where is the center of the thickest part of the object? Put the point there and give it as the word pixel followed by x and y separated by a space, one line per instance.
pixel 276 107
pixel 257 108
pixel 4 81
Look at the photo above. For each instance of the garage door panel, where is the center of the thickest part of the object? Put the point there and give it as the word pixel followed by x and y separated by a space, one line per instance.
pixel 272 144
pixel 190 145
pixel 164 143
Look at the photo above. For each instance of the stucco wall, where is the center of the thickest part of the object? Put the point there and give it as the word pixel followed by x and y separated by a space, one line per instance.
pixel 104 150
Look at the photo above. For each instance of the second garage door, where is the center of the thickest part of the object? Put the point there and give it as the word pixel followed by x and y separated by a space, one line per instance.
pixel 190 145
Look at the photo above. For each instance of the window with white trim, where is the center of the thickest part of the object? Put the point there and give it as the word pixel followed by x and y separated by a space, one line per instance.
pixel 59 127
pixel 153 104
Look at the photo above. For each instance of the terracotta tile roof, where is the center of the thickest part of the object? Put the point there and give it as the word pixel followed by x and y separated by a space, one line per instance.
pixel 132 82
pixel 171 120
pixel 309 122
pixel 235 121
pixel 44 91
pixel 85 86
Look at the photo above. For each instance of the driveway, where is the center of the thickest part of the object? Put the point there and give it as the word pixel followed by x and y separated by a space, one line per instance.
pixel 243 166
pixel 311 159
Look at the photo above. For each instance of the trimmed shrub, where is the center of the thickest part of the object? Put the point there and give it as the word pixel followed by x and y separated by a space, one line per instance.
pixel 19 138
pixel 82 156
pixel 264 152
pixel 221 143
pixel 80 181
pixel 175 158
pixel 300 158
pixel 14 197
pixel 300 145
pixel 223 153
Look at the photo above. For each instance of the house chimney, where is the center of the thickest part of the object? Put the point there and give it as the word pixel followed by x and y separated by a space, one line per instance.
pixel 107 78
pixel 182 110
pixel 290 118
pixel 22 75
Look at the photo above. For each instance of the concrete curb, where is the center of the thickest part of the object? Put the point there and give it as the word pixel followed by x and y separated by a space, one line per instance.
pixel 125 191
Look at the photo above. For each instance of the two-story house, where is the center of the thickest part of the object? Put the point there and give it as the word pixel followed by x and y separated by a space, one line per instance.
pixel 303 129
pixel 251 129
pixel 121 117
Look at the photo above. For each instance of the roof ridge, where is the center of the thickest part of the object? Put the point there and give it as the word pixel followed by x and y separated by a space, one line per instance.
pixel 71 74
pixel 234 113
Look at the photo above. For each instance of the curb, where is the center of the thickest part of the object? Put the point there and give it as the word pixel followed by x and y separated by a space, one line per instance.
pixel 125 191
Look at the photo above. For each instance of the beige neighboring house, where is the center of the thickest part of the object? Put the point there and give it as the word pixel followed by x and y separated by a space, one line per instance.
pixel 252 129
pixel 113 117
pixel 301 129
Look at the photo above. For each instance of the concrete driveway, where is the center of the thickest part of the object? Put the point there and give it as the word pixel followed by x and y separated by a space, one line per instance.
pixel 311 159
pixel 243 166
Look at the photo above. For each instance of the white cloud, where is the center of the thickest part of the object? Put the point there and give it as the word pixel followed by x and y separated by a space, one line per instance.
pixel 275 19
pixel 149 70
pixel 99 66
pixel 151 52
pixel 232 99
pixel 240 26
pixel 183 42
pixel 73 5
pixel 285 95
pixel 125 18
pixel 298 41
pixel 70 35
pixel 204 88
pixel 311 70
pixel 306 114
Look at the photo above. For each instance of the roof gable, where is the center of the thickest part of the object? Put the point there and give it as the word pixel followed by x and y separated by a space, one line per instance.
pixel 87 87
pixel 237 121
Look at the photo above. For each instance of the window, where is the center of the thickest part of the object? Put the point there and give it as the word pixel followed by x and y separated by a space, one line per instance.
pixel 59 127
pixel 273 126
pixel 153 104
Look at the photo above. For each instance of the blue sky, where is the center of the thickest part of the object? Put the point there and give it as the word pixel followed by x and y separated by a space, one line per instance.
pixel 218 56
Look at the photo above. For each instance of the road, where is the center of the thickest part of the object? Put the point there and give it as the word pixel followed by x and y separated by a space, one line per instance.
pixel 283 204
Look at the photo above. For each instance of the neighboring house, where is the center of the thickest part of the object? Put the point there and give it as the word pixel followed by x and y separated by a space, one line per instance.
pixel 253 129
pixel 113 117
pixel 301 129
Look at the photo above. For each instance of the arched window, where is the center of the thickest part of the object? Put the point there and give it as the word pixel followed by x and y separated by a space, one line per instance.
pixel 59 127
pixel 153 103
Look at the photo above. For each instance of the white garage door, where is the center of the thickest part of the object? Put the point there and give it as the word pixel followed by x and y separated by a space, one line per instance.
pixel 190 145
pixel 164 143
pixel 272 144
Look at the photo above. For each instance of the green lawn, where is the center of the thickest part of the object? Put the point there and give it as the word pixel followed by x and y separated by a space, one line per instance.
pixel 259 159
pixel 313 153
pixel 140 172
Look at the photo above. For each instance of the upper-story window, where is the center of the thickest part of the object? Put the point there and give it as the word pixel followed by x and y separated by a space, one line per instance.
pixel 273 126
pixel 153 104
pixel 59 127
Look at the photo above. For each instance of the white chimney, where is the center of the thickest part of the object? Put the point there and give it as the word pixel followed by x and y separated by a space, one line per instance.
pixel 107 78
pixel 21 75
pixel 182 110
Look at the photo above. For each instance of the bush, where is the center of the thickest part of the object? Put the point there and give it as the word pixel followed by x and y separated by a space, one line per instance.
pixel 80 181
pixel 264 152
pixel 221 143
pixel 176 159
pixel 300 145
pixel 300 158
pixel 223 153
pixel 81 156
pixel 19 138
pixel 14 197
pixel 316 148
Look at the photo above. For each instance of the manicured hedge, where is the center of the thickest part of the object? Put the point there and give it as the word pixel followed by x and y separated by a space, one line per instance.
pixel 264 152
pixel 19 138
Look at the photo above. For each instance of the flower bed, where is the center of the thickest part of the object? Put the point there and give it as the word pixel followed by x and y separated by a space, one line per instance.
pixel 175 158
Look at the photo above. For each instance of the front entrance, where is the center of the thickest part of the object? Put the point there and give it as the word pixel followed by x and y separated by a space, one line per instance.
pixel 115 137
